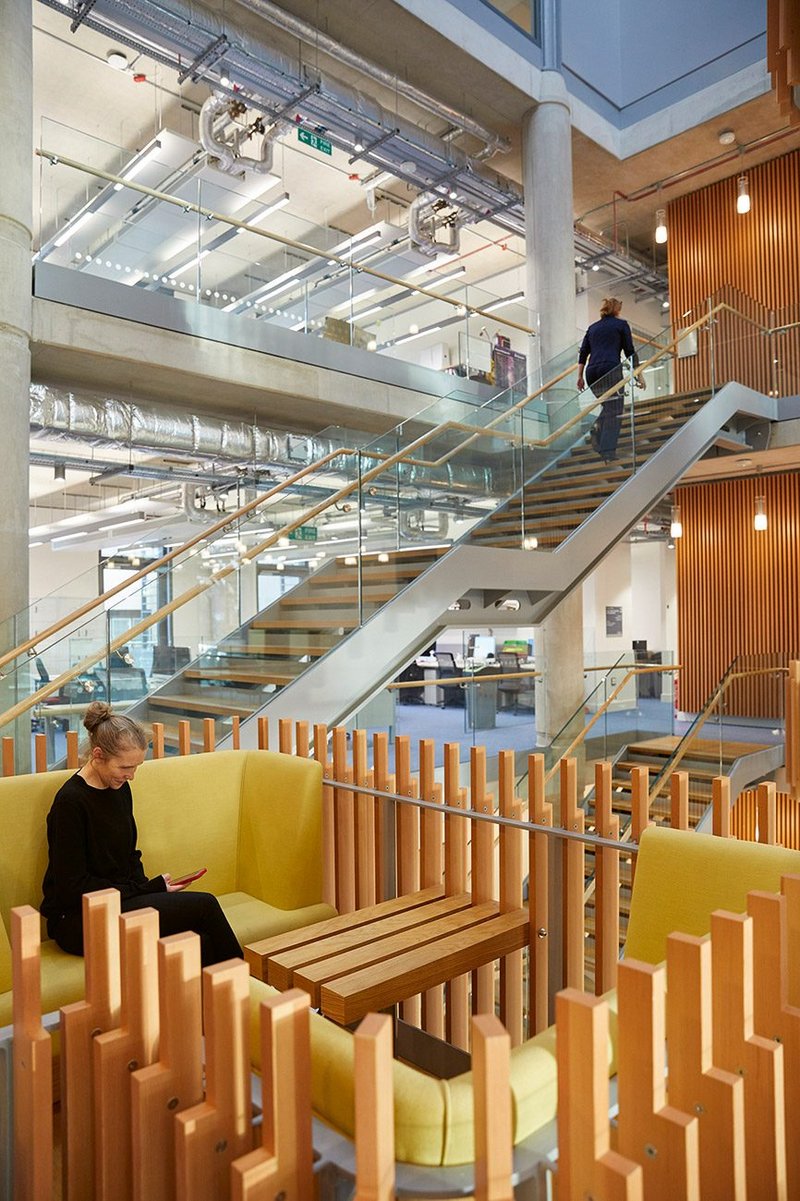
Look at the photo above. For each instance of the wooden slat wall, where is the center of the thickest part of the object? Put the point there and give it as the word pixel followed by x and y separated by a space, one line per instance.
pixel 738 589
pixel 751 261
pixel 783 53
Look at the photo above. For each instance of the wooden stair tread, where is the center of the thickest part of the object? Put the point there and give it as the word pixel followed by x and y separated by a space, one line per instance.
pixel 209 707
pixel 296 648
pixel 299 623
pixel 241 677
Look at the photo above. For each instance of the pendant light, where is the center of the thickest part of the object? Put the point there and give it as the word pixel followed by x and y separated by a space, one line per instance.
pixel 661 233
pixel 760 515
pixel 743 195
pixel 675 524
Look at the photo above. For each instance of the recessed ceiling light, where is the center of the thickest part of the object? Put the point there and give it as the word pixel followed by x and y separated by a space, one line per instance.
pixel 744 463
pixel 726 137
pixel 117 59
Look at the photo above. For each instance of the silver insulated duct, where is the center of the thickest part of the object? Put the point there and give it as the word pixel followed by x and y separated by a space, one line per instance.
pixel 107 421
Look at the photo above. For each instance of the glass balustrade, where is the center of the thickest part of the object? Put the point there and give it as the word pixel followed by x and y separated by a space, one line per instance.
pixel 369 290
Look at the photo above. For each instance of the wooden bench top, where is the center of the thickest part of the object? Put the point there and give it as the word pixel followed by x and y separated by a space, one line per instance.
pixel 386 953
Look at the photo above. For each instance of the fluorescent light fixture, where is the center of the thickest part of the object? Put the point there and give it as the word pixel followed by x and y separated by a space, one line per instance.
pixel 443 279
pixel 376 308
pixel 32 544
pixel 137 164
pixel 432 329
pixel 337 308
pixel 118 525
pixel 366 238
pixel 299 325
pixel 661 234
pixel 72 227
pixel 69 537
pixel 439 261
pixel 192 263
pixel 743 198
pixel 279 283
pixel 501 304
pixel 280 202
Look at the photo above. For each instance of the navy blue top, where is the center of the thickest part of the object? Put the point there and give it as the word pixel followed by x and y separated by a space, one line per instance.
pixel 605 340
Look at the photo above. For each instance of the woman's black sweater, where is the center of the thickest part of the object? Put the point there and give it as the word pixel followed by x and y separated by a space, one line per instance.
pixel 91 836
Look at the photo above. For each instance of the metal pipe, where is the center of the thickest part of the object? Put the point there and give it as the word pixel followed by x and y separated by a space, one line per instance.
pixel 323 41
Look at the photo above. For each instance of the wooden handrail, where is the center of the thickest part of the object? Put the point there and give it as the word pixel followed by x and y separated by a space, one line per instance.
pixel 473 678
pixel 647 669
pixel 700 721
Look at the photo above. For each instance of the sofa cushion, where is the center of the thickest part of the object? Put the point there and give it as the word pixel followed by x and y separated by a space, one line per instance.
pixel 63 982
pixel 252 919
pixel 682 877
pixel 280 808
pixel 420 1101
pixel 187 811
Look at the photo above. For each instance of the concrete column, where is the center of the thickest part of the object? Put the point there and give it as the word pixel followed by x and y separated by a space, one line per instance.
pixel 550 290
pixel 16 179
pixel 547 176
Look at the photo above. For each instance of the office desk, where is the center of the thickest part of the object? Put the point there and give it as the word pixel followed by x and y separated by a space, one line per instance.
pixel 376 957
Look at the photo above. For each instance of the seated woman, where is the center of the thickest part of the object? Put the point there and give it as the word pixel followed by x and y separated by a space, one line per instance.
pixel 91 836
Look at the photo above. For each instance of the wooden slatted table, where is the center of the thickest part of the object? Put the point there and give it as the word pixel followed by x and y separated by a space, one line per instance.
pixel 378 956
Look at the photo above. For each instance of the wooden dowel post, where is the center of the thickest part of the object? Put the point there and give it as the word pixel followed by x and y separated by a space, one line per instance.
pixel 664 1141
pixel 184 737
pixel 344 825
pixel 606 897
pixel 773 1016
pixel 385 866
pixel 541 814
pixel 491 1092
pixel 375 1170
pixel 738 1049
pixel 72 750
pixel 263 733
pixel 586 1165
pixel 767 816
pixel 574 879
pixel 679 802
pixel 512 874
pixel 302 740
pixel 175 1081
pixel 209 1136
pixel 484 887
pixel 8 756
pixel 407 842
pixel 455 882
pixel 695 1086
pixel 32 1064
pixel 328 828
pixel 285 735
pixel 721 806
pixel 431 870
pixel 236 732
pixel 40 752
pixel 283 1164
pixel 209 734
pixel 80 1022
pixel 365 823
pixel 120 1051
pixel 158 740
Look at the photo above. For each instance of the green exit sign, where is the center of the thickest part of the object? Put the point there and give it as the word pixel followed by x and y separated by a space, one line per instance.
pixel 314 140
pixel 304 533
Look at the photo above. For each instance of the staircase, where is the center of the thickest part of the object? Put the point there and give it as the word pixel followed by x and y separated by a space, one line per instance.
pixel 705 759
pixel 247 668
pixel 556 502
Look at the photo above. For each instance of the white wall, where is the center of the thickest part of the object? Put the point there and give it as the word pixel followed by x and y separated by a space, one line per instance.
pixel 640 578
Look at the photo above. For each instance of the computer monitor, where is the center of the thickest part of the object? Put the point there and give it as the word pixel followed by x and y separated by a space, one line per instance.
pixel 484 647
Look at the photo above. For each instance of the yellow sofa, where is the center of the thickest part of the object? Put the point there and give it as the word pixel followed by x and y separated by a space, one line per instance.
pixel 681 878
pixel 253 818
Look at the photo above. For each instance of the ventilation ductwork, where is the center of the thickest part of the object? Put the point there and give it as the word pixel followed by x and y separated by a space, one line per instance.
pixel 106 422
pixel 222 140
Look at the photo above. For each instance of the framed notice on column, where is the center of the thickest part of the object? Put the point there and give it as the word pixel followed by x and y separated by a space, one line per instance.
pixel 613 621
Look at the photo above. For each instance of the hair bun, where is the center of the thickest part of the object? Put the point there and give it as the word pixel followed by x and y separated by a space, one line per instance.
pixel 97 712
